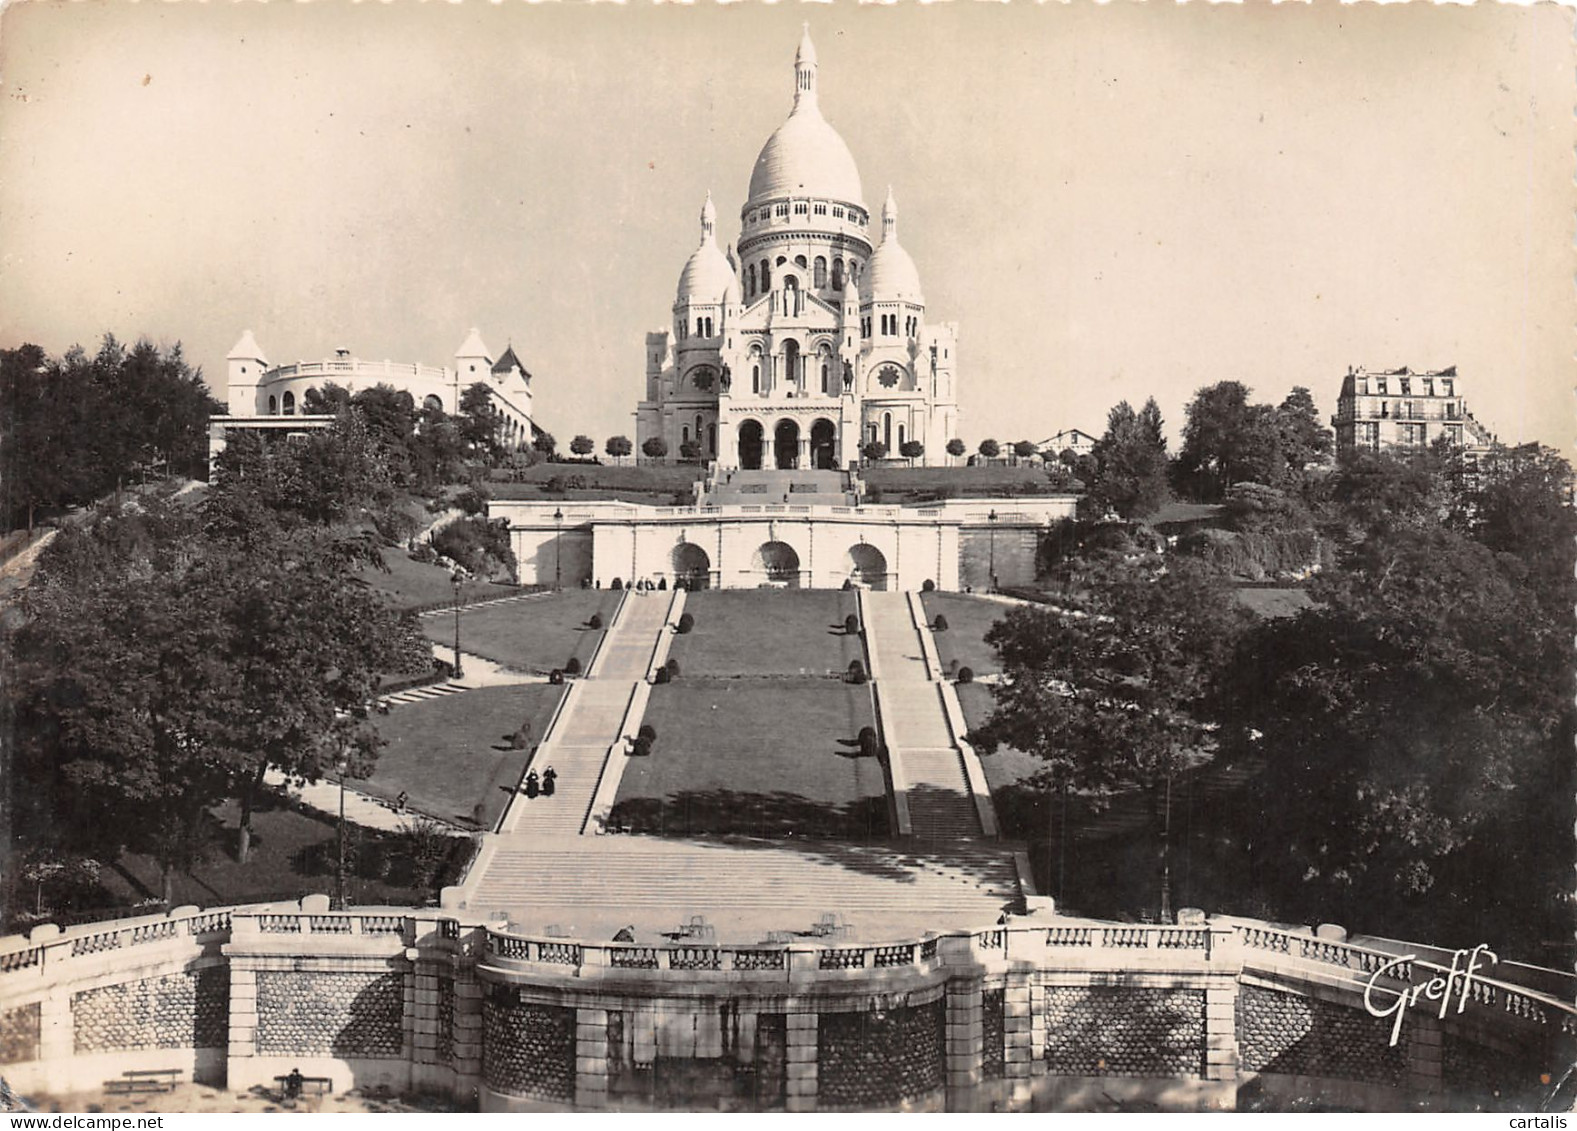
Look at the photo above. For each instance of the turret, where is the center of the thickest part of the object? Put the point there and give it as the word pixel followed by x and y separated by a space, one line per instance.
pixel 473 361
pixel 245 366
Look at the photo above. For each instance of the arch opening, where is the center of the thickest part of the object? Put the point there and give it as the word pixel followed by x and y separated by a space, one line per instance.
pixel 867 567
pixel 778 564
pixel 751 443
pixel 785 445
pixel 691 566
pixel 823 439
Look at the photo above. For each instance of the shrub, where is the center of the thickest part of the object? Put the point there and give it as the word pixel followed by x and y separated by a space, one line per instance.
pixel 424 553
pixel 473 499
pixel 522 737
pixel 686 622
pixel 662 676
pixel 870 746
pixel 595 621
pixel 573 667
pixel 966 674
pixel 556 676
pixel 928 586
pixel 940 624
pixel 856 672
pixel 648 732
pixel 478 546
pixel 672 668
pixel 394 525
pixel 617 584
pixel 642 748
pixel 851 624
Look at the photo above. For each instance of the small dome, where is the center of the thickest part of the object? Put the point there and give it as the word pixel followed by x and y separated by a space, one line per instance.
pixel 707 276
pixel 891 273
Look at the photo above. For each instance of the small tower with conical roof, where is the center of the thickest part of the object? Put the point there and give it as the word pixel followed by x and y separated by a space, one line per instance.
pixel 245 366
pixel 473 362
pixel 805 72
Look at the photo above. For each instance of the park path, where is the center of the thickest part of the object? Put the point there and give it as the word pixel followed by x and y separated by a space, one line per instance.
pixel 927 761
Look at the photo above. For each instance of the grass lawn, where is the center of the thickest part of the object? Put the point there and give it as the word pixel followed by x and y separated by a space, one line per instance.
pixel 968 620
pixel 531 636
pixel 598 481
pixel 452 756
pixel 955 482
pixel 761 759
pixel 412 584
pixel 294 852
pixel 767 632
pixel 1007 767
pixel 1274 602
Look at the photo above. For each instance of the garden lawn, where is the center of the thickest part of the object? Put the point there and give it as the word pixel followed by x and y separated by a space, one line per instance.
pixel 411 584
pixel 1006 767
pixel 767 632
pixel 451 756
pixel 968 621
pixel 956 482
pixel 534 635
pixel 760 759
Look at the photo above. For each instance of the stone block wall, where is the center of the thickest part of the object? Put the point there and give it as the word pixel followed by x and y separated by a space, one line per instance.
pixel 1492 1079
pixel 993 1004
pixel 307 1013
pixel 1124 1031
pixel 19 1034
pixel 1303 1036
pixel 528 1050
pixel 881 1059
pixel 444 1049
pixel 174 1011
pixel 1014 554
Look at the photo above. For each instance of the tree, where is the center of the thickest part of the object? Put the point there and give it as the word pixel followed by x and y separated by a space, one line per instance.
pixel 655 448
pixel 330 400
pixel 955 447
pixel 1130 463
pixel 874 450
pixel 480 422
pixel 1023 449
pixel 690 450
pixel 619 447
pixel 911 450
pixel 582 445
pixel 1305 442
pixel 990 449
pixel 544 443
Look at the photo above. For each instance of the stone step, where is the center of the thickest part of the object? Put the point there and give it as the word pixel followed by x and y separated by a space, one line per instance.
pixel 422 694
pixel 940 805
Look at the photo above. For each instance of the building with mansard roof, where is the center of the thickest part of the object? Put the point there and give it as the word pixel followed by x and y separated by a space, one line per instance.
pixel 810 341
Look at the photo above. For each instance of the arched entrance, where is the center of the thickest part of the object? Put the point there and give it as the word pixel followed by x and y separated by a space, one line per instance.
pixel 823 457
pixel 778 564
pixel 692 566
pixel 867 566
pixel 785 445
pixel 751 441
pixel 791 367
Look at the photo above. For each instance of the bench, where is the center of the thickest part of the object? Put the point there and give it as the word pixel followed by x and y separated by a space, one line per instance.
pixel 145 1080
pixel 320 1085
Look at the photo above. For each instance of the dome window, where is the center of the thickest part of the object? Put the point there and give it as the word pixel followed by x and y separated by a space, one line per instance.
pixel 750 281
pixel 766 277
pixel 273 406
pixel 821 209
pixel 801 208
pixel 781 210
pixel 821 272
pixel 801 262
pixel 290 404
pixel 837 274
pixel 837 211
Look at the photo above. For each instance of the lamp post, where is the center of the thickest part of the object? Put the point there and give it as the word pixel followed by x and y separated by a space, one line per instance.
pixel 339 865
pixel 992 520
pixel 457 579
pixel 558 545
pixel 1166 856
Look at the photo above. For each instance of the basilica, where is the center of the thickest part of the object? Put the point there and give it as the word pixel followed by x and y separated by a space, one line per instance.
pixel 809 348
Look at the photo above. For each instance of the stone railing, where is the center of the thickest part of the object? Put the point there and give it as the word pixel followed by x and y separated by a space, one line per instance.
pixel 355 367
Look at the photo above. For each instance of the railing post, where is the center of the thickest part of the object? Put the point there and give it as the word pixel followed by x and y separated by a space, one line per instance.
pixel 965 1043
pixel 1018 1038
pixel 800 1061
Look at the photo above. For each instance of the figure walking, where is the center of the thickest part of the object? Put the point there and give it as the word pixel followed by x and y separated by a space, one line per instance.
pixel 532 787
pixel 548 778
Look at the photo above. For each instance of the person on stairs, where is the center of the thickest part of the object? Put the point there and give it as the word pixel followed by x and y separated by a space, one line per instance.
pixel 532 787
pixel 548 778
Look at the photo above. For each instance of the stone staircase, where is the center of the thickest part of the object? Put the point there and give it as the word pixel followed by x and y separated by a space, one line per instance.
pixel 914 719
pixel 803 488
pixel 421 694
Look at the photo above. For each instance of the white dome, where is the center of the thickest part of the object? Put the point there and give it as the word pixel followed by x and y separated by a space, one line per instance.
pixel 891 273
pixel 706 277
pixel 806 157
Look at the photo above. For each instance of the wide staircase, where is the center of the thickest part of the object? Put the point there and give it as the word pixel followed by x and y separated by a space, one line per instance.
pixel 915 721
pixel 590 728
pixel 777 488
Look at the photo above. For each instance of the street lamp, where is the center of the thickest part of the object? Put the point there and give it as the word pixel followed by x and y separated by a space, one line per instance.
pixel 457 579
pixel 339 866
pixel 992 520
pixel 558 545
pixel 1166 856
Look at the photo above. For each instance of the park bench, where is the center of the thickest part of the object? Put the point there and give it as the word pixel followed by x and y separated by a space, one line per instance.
pixel 145 1080
pixel 318 1085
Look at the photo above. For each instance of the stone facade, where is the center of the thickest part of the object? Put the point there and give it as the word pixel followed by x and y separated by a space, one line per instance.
pixel 882 1058
pixel 993 1044
pixel 174 1011
pixel 312 1013
pixel 1302 1036
pixel 19 1034
pixel 1122 1031
pixel 528 1050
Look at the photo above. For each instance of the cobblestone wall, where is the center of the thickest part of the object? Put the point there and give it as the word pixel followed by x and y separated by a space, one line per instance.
pixel 176 1011
pixel 445 1046
pixel 1283 1032
pixel 528 1050
pixel 318 1013
pixel 1475 1074
pixel 19 1034
pixel 993 1006
pixel 881 1058
pixel 1122 1031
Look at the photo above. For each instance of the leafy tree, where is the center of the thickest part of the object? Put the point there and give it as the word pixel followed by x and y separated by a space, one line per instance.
pixel 955 447
pixel 1304 439
pixel 1228 440
pixel 990 449
pixel 655 448
pixel 479 546
pixel 911 450
pixel 1130 463
pixel 1023 449
pixel 544 443
pixel 619 447
pixel 874 450
pixel 481 425
pixel 582 445
pixel 690 450
pixel 330 400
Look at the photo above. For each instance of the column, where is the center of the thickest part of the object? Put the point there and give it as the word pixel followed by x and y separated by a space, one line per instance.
pixel 1018 1054
pixel 965 1043
pixel 1221 1045
pixel 804 451
pixel 243 1024
pixel 591 1058
pixel 800 1062
pixel 1424 1054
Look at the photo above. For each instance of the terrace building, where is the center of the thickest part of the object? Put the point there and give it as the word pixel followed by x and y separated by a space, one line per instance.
pixel 1398 410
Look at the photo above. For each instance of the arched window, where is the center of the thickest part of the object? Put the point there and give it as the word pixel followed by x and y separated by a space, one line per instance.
pixel 709 327
pixel 698 427
pixel 799 261
pixel 821 272
pixel 755 379
pixel 711 439
pixel 837 274
pixel 900 437
pixel 750 281
pixel 273 406
pixel 826 377
pixel 766 277
pixel 290 404
pixel 887 430
pixel 684 434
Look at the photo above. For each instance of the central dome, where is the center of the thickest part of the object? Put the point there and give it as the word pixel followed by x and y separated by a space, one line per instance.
pixel 805 156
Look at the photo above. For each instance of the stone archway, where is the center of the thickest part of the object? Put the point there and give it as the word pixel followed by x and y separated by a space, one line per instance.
pixel 823 445
pixel 751 442
pixel 867 566
pixel 777 563
pixel 785 445
pixel 691 566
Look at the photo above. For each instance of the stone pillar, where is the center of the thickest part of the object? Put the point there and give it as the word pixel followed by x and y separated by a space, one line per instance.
pixel 800 1061
pixel 1221 1041
pixel 467 1025
pixel 1037 1025
pixel 804 451
pixel 1424 1052
pixel 243 1017
pixel 1018 1053
pixel 425 1013
pixel 591 1058
pixel 57 1039
pixel 965 1043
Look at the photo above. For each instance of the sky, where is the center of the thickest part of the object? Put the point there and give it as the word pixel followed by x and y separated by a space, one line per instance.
pixel 1113 202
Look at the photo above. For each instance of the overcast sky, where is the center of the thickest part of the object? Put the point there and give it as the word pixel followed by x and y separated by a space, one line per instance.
pixel 1113 202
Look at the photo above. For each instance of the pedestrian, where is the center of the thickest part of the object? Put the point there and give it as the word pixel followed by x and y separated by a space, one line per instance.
pixel 548 778
pixel 401 800
pixel 293 1084
pixel 532 788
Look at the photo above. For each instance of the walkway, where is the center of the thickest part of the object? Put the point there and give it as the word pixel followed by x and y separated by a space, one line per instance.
pixel 919 739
